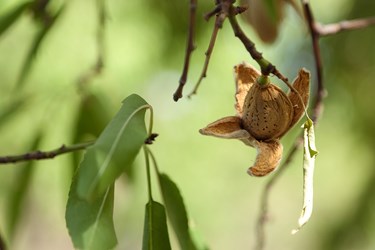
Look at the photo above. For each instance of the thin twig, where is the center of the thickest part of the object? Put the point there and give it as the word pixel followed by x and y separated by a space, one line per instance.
pixel 221 11
pixel 266 67
pixel 208 56
pixel 334 28
pixel 189 49
pixel 41 155
pixel 318 102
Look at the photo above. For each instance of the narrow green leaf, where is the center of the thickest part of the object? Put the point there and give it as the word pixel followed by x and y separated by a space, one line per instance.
pixel 176 212
pixel 2 243
pixel 155 233
pixel 115 149
pixel 15 201
pixel 92 117
pixel 38 39
pixel 11 17
pixel 271 6
pixel 90 224
pixel 309 155
pixel 9 109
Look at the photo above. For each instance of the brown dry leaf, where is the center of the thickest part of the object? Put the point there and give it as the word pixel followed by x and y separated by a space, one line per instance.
pixel 260 18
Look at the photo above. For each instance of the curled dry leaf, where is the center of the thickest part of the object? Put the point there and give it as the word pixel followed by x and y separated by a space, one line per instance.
pixel 264 114
pixel 265 17
pixel 268 158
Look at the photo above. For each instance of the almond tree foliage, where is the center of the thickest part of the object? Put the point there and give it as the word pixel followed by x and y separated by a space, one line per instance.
pixel 72 82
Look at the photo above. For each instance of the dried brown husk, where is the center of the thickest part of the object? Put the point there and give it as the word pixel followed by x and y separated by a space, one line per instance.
pixel 267 112
pixel 264 114
pixel 269 155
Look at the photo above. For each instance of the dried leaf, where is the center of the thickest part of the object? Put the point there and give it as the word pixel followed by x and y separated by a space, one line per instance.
pixel 265 17
pixel 309 155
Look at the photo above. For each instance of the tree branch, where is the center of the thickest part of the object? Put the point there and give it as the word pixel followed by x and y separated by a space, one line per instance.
pixel 320 93
pixel 41 155
pixel 334 28
pixel 221 11
pixel 317 111
pixel 189 49
pixel 316 31
pixel 208 56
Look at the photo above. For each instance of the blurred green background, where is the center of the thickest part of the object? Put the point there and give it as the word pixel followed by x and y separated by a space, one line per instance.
pixel 144 53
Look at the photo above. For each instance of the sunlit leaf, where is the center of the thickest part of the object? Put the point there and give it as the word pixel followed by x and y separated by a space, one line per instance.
pixel 15 201
pixel 38 39
pixel 309 155
pixel 11 17
pixel 155 232
pixel 90 224
pixel 176 212
pixel 115 149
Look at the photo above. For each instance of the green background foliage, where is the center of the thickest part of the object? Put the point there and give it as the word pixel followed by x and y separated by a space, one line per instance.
pixel 145 45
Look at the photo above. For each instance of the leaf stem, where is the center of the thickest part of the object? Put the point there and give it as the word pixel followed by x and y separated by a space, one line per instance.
pixel 148 172
pixel 153 159
pixel 151 121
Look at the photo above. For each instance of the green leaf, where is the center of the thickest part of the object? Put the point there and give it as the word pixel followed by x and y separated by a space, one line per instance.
pixel 92 117
pixel 155 232
pixel 11 17
pixel 271 6
pixel 11 109
pixel 90 224
pixel 115 149
pixel 38 39
pixel 176 212
pixel 309 155
pixel 2 242
pixel 15 201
